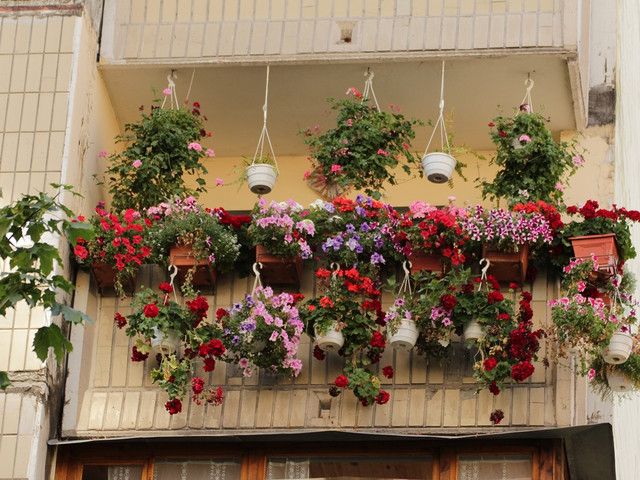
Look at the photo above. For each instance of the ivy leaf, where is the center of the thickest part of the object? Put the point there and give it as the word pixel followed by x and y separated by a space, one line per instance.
pixel 79 229
pixel 4 380
pixel 51 337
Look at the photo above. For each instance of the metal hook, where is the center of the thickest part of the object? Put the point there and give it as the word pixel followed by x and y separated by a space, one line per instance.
pixel 257 266
pixel 404 267
pixel 529 84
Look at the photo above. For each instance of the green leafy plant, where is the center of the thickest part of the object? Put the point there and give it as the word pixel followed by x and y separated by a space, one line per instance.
pixel 532 165
pixel 160 149
pixel 364 147
pixel 121 240
pixel 350 301
pixel 30 228
pixel 184 222
pixel 599 371
pixel 241 170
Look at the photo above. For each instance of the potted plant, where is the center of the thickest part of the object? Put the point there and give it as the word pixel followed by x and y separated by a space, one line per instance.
pixel 594 230
pixel 120 245
pixel 432 237
pixel 280 233
pixel 192 238
pixel 507 237
pixel 350 303
pixel 161 148
pixel 261 174
pixel 607 379
pixel 161 325
pixel 594 317
pixel 262 331
pixel 531 165
pixel 364 148
pixel 355 232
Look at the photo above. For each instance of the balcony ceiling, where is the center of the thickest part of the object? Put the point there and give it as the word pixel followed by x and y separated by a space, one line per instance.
pixel 231 96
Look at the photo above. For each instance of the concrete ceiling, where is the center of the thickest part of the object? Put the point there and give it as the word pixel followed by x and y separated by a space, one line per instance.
pixel 231 96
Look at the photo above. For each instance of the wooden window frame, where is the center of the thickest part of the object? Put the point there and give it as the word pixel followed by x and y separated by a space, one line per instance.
pixel 548 459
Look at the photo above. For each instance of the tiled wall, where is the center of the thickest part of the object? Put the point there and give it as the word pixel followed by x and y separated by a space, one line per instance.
pixel 425 395
pixel 183 30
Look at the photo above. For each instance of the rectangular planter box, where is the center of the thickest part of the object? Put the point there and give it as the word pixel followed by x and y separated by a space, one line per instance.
pixel 431 262
pixel 604 247
pixel 105 277
pixel 507 266
pixel 279 271
pixel 182 257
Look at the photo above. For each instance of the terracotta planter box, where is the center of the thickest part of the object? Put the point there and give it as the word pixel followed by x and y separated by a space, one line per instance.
pixel 431 262
pixel 182 257
pixel 507 266
pixel 602 246
pixel 105 277
pixel 279 271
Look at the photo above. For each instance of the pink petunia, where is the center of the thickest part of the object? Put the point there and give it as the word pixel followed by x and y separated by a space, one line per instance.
pixel 524 138
pixel 167 91
pixel 103 153
pixel 219 181
pixel 210 152
pixel 137 163
pixel 195 146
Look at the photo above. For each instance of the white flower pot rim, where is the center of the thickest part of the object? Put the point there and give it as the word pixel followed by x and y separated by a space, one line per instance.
pixel 261 177
pixel 405 337
pixel 438 166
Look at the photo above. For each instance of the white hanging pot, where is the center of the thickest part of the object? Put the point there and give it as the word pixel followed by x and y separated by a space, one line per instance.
pixel 619 348
pixel 163 343
pixel 405 337
pixel 472 331
pixel 332 340
pixel 438 166
pixel 618 382
pixel 261 177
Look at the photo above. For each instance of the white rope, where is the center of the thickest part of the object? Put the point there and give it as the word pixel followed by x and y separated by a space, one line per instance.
pixel 483 277
pixel 405 286
pixel 193 74
pixel 444 138
pixel 173 97
pixel 368 88
pixel 173 271
pixel 527 96
pixel 265 134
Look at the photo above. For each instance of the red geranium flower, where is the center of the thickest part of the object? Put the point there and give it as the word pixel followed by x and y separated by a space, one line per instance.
pixel 173 406
pixel 151 310
pixel 341 381
pixel 388 371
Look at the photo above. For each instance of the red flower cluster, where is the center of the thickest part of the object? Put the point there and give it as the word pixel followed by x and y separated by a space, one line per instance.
pixel 388 371
pixel 448 301
pixel 490 363
pixel 151 310
pixel 494 297
pixel 208 351
pixel 199 306
pixel 521 371
pixel 378 340
pixel 173 406
pixel 318 353
pixel 341 381
pixel 382 397
pixel 137 356
pixel 212 397
pixel 496 416
pixel 121 321
pixel 591 209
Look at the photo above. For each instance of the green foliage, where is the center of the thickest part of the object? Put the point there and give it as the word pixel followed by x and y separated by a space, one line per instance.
pixel 529 170
pixel 29 226
pixel 364 147
pixel 161 148
pixel 599 369
pixel 174 375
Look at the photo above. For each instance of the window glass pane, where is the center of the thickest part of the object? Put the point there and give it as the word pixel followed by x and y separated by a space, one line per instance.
pixel 495 467
pixel 214 469
pixel 351 468
pixel 112 472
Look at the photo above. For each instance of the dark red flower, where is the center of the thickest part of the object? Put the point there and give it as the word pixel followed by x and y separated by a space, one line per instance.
pixel 494 297
pixel 490 363
pixel 120 320
pixel 496 416
pixel 318 353
pixel 151 310
pixel 221 312
pixel 521 371
pixel 493 388
pixel 382 397
pixel 388 371
pixel 448 301
pixel 341 381
pixel 378 340
pixel 503 134
pixel 166 288
pixel 173 406
pixel 137 356
pixel 209 364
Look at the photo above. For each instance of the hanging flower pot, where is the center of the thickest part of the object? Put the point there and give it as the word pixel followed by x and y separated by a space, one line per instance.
pixel 331 340
pixel 163 343
pixel 276 270
pixel 602 246
pixel 619 348
pixel 618 381
pixel 507 266
pixel 472 331
pixel 438 166
pixel 183 258
pixel 405 337
pixel 261 177
pixel 421 261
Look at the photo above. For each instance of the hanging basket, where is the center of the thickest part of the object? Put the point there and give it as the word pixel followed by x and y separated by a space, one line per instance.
pixel 429 262
pixel 438 166
pixel 261 177
pixel 165 344
pixel 472 331
pixel 618 382
pixel 602 246
pixel 619 348
pixel 281 271
pixel 182 257
pixel 507 266
pixel 331 341
pixel 405 337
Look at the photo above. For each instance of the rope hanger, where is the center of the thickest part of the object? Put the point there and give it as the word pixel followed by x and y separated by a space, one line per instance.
pixel 528 83
pixel 368 88
pixel 265 134
pixel 444 138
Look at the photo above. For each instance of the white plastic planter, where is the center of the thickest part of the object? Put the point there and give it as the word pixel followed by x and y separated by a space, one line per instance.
pixel 438 166
pixel 619 348
pixel 261 178
pixel 618 382
pixel 163 343
pixel 472 331
pixel 405 337
pixel 331 341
